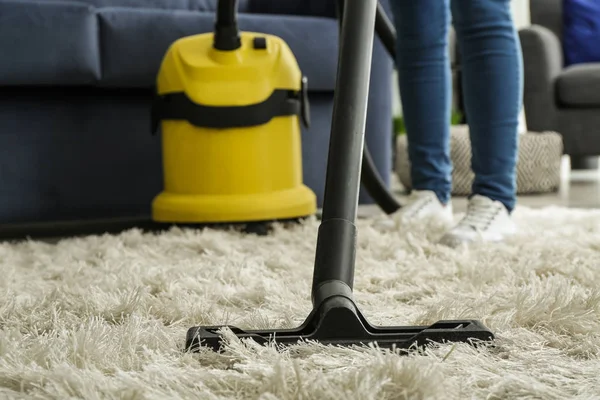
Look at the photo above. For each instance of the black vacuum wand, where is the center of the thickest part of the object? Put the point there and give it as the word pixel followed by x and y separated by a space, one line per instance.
pixel 370 178
pixel 335 318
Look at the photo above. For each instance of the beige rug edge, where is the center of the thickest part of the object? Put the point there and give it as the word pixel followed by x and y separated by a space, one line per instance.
pixel 105 317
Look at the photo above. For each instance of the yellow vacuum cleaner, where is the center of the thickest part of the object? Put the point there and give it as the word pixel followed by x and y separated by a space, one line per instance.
pixel 230 106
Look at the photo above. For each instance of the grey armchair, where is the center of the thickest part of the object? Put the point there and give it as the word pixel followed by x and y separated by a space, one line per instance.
pixel 559 98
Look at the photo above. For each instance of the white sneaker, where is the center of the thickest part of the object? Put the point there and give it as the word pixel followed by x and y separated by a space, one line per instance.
pixel 486 220
pixel 423 204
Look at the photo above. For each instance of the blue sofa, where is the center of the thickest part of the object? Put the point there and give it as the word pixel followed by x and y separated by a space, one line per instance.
pixel 77 79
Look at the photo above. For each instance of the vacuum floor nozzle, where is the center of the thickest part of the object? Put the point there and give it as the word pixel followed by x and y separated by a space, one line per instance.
pixel 340 323
pixel 335 318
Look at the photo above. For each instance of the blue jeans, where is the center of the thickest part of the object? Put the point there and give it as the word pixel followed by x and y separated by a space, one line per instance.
pixel 492 91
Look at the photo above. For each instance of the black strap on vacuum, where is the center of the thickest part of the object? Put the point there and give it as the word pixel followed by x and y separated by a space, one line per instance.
pixel 282 102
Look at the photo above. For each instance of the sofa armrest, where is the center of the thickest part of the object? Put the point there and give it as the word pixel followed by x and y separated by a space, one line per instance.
pixel 542 57
pixel 542 64
pixel 307 8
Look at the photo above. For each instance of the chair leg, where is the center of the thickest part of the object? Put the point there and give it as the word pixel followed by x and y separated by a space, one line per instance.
pixel 584 162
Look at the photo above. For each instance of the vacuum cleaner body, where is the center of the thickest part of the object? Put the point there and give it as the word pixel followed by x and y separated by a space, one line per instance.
pixel 231 137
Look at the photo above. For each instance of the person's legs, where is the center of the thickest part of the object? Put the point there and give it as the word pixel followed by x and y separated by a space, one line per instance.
pixel 492 89
pixel 426 91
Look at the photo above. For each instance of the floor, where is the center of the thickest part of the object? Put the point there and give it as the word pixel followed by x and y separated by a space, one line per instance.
pixel 579 189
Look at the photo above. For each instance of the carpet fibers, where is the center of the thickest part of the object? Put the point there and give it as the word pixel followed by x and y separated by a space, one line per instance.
pixel 105 317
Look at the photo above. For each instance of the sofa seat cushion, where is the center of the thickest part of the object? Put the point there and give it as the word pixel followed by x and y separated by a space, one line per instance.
pixel 190 5
pixel 121 43
pixel 322 8
pixel 579 85
pixel 134 42
pixel 48 42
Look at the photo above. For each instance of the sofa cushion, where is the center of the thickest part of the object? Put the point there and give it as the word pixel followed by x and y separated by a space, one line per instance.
pixel 579 85
pixel 49 42
pixel 134 42
pixel 315 8
pixel 190 5
pixel 581 31
pixel 321 8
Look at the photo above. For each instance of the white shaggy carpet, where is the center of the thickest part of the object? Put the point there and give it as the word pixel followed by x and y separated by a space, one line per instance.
pixel 105 317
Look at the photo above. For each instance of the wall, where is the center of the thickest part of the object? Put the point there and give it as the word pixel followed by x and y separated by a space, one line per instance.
pixel 521 14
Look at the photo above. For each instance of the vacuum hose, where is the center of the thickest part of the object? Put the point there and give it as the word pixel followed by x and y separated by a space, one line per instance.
pixel 227 37
pixel 227 33
pixel 371 180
